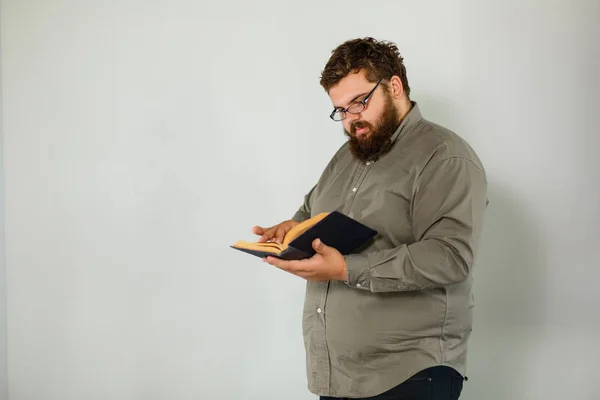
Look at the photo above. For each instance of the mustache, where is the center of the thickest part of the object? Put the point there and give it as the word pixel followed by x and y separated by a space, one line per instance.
pixel 360 124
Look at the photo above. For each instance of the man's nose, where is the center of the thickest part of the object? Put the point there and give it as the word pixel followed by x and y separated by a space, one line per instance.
pixel 352 117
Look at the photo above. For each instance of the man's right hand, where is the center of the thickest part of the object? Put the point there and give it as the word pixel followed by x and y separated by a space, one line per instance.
pixel 274 233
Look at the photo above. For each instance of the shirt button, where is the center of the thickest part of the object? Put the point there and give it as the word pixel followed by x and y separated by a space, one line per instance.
pixel 358 285
pixel 368 162
pixel 319 310
pixel 354 189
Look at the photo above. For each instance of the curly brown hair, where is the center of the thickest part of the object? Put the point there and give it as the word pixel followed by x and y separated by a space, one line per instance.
pixel 380 59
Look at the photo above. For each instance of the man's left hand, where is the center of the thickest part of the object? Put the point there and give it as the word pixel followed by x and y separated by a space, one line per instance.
pixel 326 264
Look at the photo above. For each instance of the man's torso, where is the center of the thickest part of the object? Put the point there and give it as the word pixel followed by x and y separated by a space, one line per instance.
pixel 361 343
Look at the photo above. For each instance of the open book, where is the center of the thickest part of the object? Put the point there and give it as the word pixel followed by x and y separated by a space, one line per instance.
pixel 334 229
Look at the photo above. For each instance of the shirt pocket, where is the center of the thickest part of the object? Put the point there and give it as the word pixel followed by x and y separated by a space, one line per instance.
pixel 395 219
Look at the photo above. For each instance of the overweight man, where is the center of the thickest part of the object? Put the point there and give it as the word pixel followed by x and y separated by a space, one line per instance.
pixel 393 320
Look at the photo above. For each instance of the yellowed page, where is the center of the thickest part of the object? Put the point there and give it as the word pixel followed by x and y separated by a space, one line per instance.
pixel 301 228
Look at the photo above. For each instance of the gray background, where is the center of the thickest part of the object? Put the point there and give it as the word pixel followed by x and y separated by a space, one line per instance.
pixel 141 138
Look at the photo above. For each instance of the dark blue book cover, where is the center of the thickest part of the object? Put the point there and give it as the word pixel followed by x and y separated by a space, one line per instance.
pixel 336 230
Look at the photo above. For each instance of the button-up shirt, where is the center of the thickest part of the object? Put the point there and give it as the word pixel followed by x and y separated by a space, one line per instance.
pixel 407 304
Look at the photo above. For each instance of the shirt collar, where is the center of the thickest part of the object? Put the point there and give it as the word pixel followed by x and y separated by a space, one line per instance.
pixel 413 116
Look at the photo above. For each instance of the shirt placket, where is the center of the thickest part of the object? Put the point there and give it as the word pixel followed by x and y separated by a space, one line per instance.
pixel 321 361
pixel 359 177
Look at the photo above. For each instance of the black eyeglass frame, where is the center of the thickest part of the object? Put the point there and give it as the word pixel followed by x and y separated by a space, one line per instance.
pixel 362 102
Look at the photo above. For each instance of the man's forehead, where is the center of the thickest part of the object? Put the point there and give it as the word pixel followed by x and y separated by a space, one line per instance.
pixel 349 88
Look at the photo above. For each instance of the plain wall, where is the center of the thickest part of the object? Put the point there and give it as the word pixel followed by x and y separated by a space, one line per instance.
pixel 141 139
pixel 3 342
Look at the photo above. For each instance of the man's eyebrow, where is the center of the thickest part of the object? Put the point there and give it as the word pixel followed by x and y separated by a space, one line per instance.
pixel 354 99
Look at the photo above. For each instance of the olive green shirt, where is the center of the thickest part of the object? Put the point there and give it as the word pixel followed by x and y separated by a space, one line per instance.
pixel 407 304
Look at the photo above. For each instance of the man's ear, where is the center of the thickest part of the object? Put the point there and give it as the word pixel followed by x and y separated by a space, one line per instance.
pixel 396 87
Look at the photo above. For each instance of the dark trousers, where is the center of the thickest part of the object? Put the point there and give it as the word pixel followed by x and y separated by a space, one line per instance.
pixel 436 383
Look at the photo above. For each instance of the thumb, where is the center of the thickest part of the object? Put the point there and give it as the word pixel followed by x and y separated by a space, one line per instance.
pixel 320 247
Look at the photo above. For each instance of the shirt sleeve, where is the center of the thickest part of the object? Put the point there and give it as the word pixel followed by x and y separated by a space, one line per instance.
pixel 448 204
pixel 304 211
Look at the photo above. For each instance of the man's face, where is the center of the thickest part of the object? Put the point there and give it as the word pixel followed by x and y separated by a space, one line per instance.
pixel 369 132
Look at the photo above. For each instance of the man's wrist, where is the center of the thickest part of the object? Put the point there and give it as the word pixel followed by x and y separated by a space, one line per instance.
pixel 343 276
pixel 357 271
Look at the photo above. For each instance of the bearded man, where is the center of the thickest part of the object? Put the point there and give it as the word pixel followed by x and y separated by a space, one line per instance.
pixel 391 321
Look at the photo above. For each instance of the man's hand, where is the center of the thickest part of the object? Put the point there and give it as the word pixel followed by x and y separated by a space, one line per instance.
pixel 327 264
pixel 274 233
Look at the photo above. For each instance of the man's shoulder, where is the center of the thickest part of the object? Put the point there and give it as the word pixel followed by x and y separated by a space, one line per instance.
pixel 436 142
pixel 339 160
pixel 342 155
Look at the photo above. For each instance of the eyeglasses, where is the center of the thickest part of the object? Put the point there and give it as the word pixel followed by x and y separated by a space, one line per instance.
pixel 357 107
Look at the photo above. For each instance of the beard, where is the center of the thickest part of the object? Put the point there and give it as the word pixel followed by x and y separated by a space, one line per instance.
pixel 377 141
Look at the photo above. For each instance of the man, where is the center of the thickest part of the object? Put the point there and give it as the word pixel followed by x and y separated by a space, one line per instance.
pixel 390 322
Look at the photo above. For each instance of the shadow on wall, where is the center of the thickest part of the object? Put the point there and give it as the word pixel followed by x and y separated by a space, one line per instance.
pixel 508 279
pixel 509 275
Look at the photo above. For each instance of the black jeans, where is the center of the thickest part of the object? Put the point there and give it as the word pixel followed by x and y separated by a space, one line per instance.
pixel 436 383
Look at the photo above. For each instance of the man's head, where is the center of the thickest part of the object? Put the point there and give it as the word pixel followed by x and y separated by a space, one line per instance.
pixel 367 69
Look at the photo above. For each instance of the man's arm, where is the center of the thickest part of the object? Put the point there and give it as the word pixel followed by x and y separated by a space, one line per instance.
pixel 303 213
pixel 449 200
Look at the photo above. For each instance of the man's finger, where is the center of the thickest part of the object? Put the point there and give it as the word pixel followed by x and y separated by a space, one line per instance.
pixel 292 266
pixel 279 235
pixel 267 235
pixel 279 263
pixel 320 247
pixel 259 230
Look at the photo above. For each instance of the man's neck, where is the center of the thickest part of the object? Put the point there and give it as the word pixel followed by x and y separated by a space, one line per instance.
pixel 404 108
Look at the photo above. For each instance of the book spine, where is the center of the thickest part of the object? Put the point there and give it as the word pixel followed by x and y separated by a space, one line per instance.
pixel 292 253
